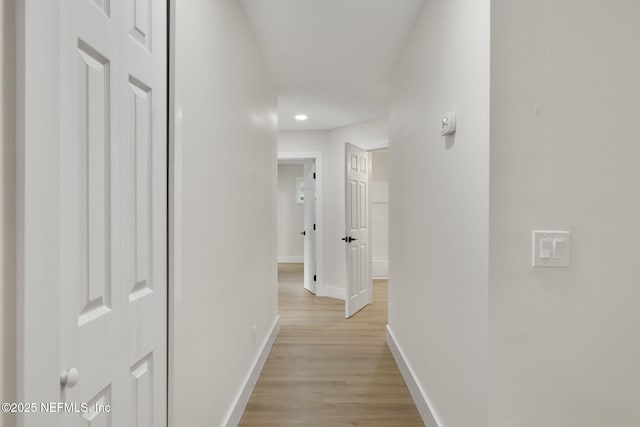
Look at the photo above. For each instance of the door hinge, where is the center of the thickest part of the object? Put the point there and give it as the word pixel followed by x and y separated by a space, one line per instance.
pixel 314 277
pixel 314 175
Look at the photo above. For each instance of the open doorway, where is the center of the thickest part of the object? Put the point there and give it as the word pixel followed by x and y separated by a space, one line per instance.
pixel 290 213
pixel 299 217
pixel 380 214
pixel 366 221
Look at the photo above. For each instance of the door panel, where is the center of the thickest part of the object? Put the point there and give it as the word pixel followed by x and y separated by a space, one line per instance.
pixel 358 260
pixel 140 152
pixel 95 416
pixel 94 183
pixel 139 21
pixel 142 377
pixel 113 210
pixel 353 199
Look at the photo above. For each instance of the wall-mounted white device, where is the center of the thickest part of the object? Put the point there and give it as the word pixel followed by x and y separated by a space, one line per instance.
pixel 551 248
pixel 448 125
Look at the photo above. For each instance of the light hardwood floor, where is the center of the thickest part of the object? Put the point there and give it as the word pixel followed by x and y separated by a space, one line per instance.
pixel 325 370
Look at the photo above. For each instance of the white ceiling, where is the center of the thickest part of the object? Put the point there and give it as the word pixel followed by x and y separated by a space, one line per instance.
pixel 331 59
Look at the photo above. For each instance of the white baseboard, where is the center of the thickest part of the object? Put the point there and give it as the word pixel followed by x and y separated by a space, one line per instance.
pixel 286 259
pixel 380 268
pixel 419 395
pixel 331 292
pixel 241 400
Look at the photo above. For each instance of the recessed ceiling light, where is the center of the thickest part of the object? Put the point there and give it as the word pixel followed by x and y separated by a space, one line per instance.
pixel 301 117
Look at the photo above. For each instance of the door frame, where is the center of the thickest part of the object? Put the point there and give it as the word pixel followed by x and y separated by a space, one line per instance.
pixel 382 144
pixel 369 146
pixel 317 157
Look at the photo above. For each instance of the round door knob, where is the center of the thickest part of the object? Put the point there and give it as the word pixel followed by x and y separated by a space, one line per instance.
pixel 69 378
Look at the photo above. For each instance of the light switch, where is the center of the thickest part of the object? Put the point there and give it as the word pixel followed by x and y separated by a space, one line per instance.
pixel 551 248
pixel 559 248
pixel 546 248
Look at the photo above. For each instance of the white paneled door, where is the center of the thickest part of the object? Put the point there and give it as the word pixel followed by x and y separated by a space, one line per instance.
pixel 113 216
pixel 310 226
pixel 358 249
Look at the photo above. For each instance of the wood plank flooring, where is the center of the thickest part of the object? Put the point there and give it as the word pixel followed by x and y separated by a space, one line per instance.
pixel 325 370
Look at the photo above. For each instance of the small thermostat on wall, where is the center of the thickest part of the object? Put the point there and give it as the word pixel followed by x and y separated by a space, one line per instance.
pixel 448 125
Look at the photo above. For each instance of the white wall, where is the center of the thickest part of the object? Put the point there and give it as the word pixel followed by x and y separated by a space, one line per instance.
pixel 380 213
pixel 332 146
pixel 439 194
pixel 564 153
pixel 290 215
pixel 380 163
pixel 225 154
pixel 7 182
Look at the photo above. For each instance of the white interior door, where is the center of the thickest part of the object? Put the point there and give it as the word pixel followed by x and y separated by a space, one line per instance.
pixel 310 226
pixel 358 250
pixel 113 296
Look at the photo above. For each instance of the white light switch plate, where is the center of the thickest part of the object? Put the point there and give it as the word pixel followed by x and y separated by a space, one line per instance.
pixel 551 248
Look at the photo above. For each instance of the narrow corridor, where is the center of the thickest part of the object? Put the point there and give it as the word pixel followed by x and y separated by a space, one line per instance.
pixel 325 370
